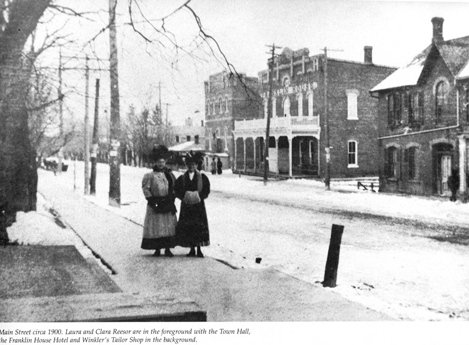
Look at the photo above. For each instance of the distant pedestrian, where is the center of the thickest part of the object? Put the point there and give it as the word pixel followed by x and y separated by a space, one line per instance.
pixel 219 166
pixel 453 184
pixel 213 166
pixel 192 188
pixel 159 227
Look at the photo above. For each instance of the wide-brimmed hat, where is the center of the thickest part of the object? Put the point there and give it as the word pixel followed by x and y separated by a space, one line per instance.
pixel 194 157
pixel 159 152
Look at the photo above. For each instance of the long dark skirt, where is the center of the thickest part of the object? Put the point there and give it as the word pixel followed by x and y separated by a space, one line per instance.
pixel 192 227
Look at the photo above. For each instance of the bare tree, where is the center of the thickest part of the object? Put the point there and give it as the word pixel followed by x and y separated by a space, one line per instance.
pixel 18 175
pixel 18 20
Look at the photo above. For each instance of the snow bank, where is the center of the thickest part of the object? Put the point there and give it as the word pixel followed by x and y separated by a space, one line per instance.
pixel 40 228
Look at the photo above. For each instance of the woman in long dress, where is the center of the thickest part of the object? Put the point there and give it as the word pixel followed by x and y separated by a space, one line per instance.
pixel 192 188
pixel 159 228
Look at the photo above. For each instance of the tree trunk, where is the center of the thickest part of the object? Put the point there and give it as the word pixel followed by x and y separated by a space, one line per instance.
pixel 18 174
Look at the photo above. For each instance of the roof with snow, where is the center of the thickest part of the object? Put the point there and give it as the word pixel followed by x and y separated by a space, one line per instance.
pixel 455 54
pixel 186 147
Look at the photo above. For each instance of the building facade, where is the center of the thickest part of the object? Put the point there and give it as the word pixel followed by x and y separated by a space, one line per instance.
pixel 192 131
pixel 228 97
pixel 424 119
pixel 297 141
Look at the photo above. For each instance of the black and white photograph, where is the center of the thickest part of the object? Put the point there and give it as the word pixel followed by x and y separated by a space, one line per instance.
pixel 234 171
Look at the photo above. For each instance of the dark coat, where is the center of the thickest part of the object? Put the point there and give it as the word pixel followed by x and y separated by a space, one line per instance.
pixel 192 227
pixel 453 182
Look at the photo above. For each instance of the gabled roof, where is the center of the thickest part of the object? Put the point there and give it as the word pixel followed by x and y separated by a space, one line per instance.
pixel 455 54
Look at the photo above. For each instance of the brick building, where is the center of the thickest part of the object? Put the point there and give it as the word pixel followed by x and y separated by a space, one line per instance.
pixel 227 98
pixel 424 118
pixel 297 143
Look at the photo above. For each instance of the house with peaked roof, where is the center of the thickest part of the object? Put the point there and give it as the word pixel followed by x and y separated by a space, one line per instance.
pixel 423 117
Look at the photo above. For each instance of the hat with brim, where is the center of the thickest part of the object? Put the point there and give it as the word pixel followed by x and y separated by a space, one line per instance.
pixel 193 157
pixel 159 152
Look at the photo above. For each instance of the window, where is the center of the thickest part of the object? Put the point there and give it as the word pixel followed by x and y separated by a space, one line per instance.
pixel 221 104
pixel 411 162
pixel 392 162
pixel 415 107
pixel 310 101
pixel 397 109
pixel 411 107
pixel 394 109
pixel 196 138
pixel 390 110
pixel 441 90
pixel 420 98
pixel 286 106
pixel 177 138
pixel 315 64
pixel 352 105
pixel 352 154
pixel 226 104
pixel 188 138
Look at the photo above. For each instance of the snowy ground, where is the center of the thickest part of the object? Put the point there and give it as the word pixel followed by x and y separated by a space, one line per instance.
pixel 389 264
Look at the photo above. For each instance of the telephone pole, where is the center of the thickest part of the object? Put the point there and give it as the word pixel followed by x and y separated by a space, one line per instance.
pixel 326 125
pixel 95 142
pixel 114 155
pixel 85 133
pixel 61 114
pixel 269 113
pixel 166 128
pixel 327 179
pixel 159 99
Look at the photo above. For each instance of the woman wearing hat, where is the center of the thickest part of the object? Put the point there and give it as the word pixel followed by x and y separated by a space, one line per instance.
pixel 192 188
pixel 159 228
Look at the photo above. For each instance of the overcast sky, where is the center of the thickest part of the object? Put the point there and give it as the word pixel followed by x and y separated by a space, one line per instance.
pixel 397 31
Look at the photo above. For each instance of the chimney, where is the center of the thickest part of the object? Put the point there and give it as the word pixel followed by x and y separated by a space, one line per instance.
pixel 368 54
pixel 437 30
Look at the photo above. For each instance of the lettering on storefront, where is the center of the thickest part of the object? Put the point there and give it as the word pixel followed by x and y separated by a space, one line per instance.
pixel 290 89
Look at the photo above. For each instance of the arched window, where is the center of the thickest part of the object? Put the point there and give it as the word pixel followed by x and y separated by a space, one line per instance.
pixel 441 90
pixel 221 105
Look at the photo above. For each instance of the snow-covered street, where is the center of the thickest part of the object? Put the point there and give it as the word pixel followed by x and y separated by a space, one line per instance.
pixel 412 267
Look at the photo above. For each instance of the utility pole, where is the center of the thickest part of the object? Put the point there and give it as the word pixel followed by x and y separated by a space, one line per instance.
pixel 166 129
pixel 269 113
pixel 327 179
pixel 85 133
pixel 114 156
pixel 159 100
pixel 326 124
pixel 61 114
pixel 95 142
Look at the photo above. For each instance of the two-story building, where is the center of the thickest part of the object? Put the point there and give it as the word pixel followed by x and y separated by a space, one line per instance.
pixel 228 97
pixel 424 118
pixel 297 143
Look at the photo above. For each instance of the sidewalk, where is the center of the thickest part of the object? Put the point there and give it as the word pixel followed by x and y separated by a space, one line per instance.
pixel 227 294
